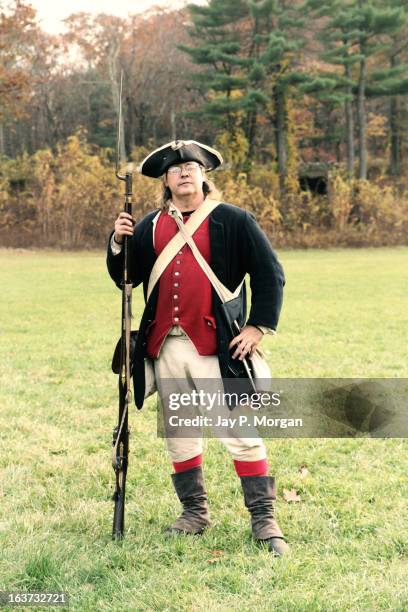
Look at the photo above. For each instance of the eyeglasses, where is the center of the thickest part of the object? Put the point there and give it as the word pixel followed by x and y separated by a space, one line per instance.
pixel 190 167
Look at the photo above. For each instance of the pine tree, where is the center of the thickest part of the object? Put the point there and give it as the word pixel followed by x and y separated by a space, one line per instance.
pixel 370 22
pixel 217 37
pixel 394 83
pixel 356 32
pixel 335 88
pixel 283 41
pixel 250 52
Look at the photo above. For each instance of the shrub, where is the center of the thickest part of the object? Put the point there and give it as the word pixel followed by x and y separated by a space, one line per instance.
pixel 70 198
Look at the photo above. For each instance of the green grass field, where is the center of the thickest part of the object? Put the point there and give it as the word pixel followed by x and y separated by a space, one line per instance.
pixel 344 316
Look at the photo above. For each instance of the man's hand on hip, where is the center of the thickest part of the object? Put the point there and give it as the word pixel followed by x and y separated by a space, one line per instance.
pixel 246 341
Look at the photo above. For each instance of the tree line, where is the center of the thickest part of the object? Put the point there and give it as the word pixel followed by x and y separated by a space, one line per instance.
pixel 277 85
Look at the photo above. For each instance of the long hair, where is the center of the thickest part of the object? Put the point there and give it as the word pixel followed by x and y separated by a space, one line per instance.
pixel 209 190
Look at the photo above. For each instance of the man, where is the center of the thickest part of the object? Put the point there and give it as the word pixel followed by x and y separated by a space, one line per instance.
pixel 183 329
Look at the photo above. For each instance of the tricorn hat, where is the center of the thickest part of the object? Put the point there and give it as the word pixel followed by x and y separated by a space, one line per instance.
pixel 179 152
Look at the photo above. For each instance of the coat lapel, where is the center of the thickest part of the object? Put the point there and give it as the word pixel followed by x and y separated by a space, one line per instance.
pixel 218 249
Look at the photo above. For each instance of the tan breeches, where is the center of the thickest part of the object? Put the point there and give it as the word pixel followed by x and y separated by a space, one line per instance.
pixel 179 368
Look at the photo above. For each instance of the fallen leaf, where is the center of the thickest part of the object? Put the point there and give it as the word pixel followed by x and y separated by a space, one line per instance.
pixel 216 556
pixel 291 496
pixel 303 471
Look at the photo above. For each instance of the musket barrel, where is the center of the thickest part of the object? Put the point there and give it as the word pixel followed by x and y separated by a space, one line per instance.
pixel 121 432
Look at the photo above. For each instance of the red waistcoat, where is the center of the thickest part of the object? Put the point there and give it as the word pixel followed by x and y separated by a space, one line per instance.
pixel 185 297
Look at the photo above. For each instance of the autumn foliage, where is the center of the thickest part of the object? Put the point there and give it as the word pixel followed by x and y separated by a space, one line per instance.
pixel 70 199
pixel 283 90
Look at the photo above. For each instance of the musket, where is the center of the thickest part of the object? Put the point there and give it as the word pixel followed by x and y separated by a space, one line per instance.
pixel 120 441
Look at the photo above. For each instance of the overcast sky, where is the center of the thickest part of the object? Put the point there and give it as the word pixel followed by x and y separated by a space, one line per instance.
pixel 51 12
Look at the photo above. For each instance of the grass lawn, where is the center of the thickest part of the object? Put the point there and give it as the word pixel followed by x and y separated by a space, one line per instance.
pixel 344 316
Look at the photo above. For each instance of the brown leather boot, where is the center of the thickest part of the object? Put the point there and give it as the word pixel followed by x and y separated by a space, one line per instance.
pixel 189 487
pixel 259 495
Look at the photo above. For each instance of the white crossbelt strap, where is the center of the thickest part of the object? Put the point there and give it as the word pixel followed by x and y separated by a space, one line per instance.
pixel 225 295
pixel 179 240
pixel 222 291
